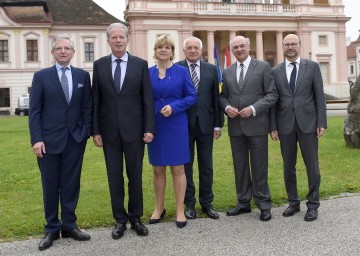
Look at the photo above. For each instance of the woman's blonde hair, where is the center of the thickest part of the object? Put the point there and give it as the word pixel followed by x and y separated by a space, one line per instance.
pixel 163 40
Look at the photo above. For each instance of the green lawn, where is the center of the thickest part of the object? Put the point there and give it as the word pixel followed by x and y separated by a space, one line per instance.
pixel 21 209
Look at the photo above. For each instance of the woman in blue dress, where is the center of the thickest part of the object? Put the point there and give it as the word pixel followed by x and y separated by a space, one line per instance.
pixel 173 93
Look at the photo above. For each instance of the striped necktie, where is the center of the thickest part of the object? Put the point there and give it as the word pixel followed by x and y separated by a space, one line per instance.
pixel 241 77
pixel 194 76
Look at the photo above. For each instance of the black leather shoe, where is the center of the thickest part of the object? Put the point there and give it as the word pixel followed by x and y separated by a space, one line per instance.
pixel 311 215
pixel 211 213
pixel 76 234
pixel 291 210
pixel 140 229
pixel 265 215
pixel 155 221
pixel 237 211
pixel 181 224
pixel 190 213
pixel 118 231
pixel 48 240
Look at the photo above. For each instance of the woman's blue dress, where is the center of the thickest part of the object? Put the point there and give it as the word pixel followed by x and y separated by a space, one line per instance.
pixel 170 145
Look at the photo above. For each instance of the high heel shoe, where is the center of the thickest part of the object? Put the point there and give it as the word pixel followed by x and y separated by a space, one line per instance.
pixel 181 224
pixel 155 221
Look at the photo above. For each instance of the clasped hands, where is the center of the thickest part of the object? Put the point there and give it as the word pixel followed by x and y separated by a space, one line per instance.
pixel 234 112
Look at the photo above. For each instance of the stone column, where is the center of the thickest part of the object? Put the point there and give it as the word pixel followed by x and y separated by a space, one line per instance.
pixel 210 46
pixel 232 34
pixel 279 49
pixel 259 46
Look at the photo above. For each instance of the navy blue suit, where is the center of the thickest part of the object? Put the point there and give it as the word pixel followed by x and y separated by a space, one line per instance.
pixel 64 129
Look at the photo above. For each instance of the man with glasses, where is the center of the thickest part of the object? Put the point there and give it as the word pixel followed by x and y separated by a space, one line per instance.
pixel 298 116
pixel 60 116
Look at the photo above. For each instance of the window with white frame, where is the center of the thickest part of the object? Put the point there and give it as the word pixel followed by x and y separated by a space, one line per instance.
pixel 89 51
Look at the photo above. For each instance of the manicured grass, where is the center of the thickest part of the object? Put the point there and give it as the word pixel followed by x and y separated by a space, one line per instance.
pixel 21 208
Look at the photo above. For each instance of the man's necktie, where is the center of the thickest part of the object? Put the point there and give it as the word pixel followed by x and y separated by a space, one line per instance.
pixel 117 76
pixel 241 77
pixel 293 77
pixel 194 76
pixel 65 84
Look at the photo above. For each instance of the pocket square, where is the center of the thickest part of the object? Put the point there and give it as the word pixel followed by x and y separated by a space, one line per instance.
pixel 80 85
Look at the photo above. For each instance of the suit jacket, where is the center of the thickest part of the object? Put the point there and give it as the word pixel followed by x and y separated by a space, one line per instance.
pixel 258 92
pixel 207 108
pixel 51 118
pixel 307 104
pixel 132 111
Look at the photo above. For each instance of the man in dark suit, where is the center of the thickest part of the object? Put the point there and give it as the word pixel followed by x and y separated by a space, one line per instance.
pixel 246 97
pixel 204 119
pixel 299 116
pixel 60 118
pixel 124 119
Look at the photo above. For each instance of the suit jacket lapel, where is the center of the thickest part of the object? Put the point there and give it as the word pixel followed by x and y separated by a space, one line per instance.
pixel 284 77
pixel 302 69
pixel 56 82
pixel 233 74
pixel 74 84
pixel 251 68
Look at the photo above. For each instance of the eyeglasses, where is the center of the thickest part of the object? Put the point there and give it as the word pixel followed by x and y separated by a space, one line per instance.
pixel 292 45
pixel 65 49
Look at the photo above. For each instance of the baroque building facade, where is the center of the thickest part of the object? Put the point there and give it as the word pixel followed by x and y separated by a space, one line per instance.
pixel 27 28
pixel 320 24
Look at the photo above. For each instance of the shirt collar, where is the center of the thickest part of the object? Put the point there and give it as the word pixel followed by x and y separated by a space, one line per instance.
pixel 125 57
pixel 58 66
pixel 197 63
pixel 287 62
pixel 246 62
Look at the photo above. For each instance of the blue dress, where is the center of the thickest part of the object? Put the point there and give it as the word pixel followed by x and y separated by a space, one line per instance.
pixel 170 145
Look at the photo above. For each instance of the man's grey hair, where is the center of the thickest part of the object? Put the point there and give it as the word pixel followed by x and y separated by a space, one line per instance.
pixel 59 38
pixel 246 38
pixel 191 38
pixel 117 25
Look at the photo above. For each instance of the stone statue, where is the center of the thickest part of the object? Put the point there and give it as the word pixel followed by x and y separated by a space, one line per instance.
pixel 352 119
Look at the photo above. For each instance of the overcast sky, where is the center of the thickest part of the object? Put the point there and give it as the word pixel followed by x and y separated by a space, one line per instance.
pixel 352 7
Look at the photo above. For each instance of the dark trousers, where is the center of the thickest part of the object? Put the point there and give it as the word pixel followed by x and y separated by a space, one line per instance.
pixel 251 182
pixel 204 149
pixel 134 153
pixel 60 176
pixel 308 143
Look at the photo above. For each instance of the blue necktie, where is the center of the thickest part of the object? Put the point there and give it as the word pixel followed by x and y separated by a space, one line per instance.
pixel 293 77
pixel 117 76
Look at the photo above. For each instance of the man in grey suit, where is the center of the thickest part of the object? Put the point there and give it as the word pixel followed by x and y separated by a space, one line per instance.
pixel 298 116
pixel 124 119
pixel 246 96
pixel 204 126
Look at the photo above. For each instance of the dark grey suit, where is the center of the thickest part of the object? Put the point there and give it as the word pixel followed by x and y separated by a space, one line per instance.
pixel 203 117
pixel 250 134
pixel 122 120
pixel 296 118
